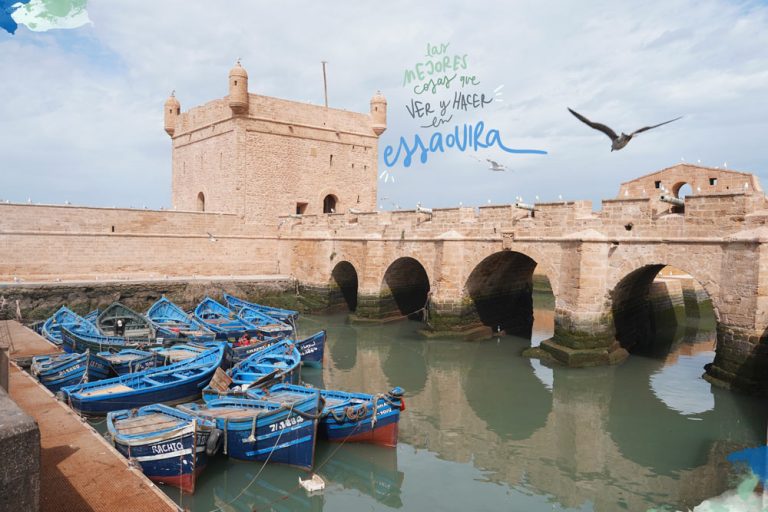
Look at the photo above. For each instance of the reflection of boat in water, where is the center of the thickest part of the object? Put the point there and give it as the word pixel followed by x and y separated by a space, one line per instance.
pixel 369 469
pixel 274 490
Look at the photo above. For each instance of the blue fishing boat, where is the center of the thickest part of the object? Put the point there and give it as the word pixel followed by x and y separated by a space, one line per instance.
pixel 85 336
pixel 222 320
pixel 262 430
pixel 177 382
pixel 57 371
pixel 106 364
pixel 171 446
pixel 273 364
pixel 284 315
pixel 64 317
pixel 179 352
pixel 265 325
pixel 93 315
pixel 347 417
pixel 312 348
pixel 170 321
pixel 359 417
pixel 120 320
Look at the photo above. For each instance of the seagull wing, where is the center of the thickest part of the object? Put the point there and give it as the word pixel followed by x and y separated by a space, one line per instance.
pixel 597 126
pixel 655 126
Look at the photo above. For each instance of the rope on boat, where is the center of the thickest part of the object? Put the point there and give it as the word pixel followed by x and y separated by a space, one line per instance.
pixel 274 447
pixel 353 413
pixel 226 436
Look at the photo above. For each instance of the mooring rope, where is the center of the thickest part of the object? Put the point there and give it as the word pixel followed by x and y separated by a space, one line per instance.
pixel 315 470
pixel 424 309
pixel 253 480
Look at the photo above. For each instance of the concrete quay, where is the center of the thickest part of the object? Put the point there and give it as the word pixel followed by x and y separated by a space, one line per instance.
pixel 77 468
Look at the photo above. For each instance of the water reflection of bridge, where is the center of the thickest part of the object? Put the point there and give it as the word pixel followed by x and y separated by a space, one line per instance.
pixel 602 435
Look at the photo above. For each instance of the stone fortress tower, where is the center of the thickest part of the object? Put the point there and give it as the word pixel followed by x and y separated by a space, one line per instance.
pixel 260 157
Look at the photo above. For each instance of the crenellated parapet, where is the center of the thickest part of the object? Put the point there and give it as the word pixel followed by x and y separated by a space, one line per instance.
pixel 715 214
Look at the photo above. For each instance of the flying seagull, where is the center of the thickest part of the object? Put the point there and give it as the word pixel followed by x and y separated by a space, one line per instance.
pixel 617 141
pixel 495 166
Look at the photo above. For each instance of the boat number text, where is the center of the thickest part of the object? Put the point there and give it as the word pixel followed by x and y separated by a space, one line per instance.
pixel 286 423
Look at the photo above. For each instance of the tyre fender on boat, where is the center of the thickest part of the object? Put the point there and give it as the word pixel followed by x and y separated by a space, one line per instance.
pixel 213 445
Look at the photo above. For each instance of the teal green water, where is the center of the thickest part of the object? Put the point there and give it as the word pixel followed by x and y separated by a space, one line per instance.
pixel 485 429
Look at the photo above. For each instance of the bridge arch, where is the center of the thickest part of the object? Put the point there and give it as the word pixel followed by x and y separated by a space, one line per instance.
pixel 344 285
pixel 500 289
pixel 632 310
pixel 405 288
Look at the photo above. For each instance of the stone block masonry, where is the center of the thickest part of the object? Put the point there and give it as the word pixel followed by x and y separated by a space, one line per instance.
pixel 20 458
pixel 39 301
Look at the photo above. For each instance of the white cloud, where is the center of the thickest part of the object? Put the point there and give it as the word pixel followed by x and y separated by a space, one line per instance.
pixel 81 117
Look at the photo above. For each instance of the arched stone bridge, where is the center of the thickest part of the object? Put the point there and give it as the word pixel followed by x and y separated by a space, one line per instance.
pixel 474 267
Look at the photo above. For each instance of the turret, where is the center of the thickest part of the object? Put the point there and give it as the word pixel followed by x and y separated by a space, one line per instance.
pixel 379 113
pixel 172 112
pixel 238 89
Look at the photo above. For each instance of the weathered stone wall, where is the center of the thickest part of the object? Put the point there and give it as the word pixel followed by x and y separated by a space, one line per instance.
pixel 39 301
pixel 49 243
pixel 704 181
pixel 20 458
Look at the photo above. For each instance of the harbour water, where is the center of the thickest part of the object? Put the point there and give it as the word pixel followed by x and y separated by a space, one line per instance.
pixel 486 429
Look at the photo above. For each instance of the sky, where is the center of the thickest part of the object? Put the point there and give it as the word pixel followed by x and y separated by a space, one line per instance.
pixel 81 108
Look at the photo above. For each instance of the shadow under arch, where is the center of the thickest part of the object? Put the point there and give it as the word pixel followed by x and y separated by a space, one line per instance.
pixel 501 289
pixel 344 284
pixel 404 289
pixel 499 383
pixel 646 324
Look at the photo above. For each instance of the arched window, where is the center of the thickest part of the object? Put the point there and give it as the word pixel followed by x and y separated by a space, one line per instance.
pixel 329 204
pixel 200 202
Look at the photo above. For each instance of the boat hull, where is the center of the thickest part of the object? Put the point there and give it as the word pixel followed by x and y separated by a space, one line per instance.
pixel 312 349
pixel 284 315
pixel 175 460
pixel 282 438
pixel 170 384
pixel 77 342
pixel 384 433
pixel 69 371
pixel 101 368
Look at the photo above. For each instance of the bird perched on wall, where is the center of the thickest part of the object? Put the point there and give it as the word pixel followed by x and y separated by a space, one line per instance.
pixel 617 141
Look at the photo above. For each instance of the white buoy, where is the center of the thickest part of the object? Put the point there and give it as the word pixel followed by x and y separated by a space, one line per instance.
pixel 313 485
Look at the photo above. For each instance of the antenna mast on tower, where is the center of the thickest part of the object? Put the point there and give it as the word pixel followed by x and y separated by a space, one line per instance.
pixel 325 84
